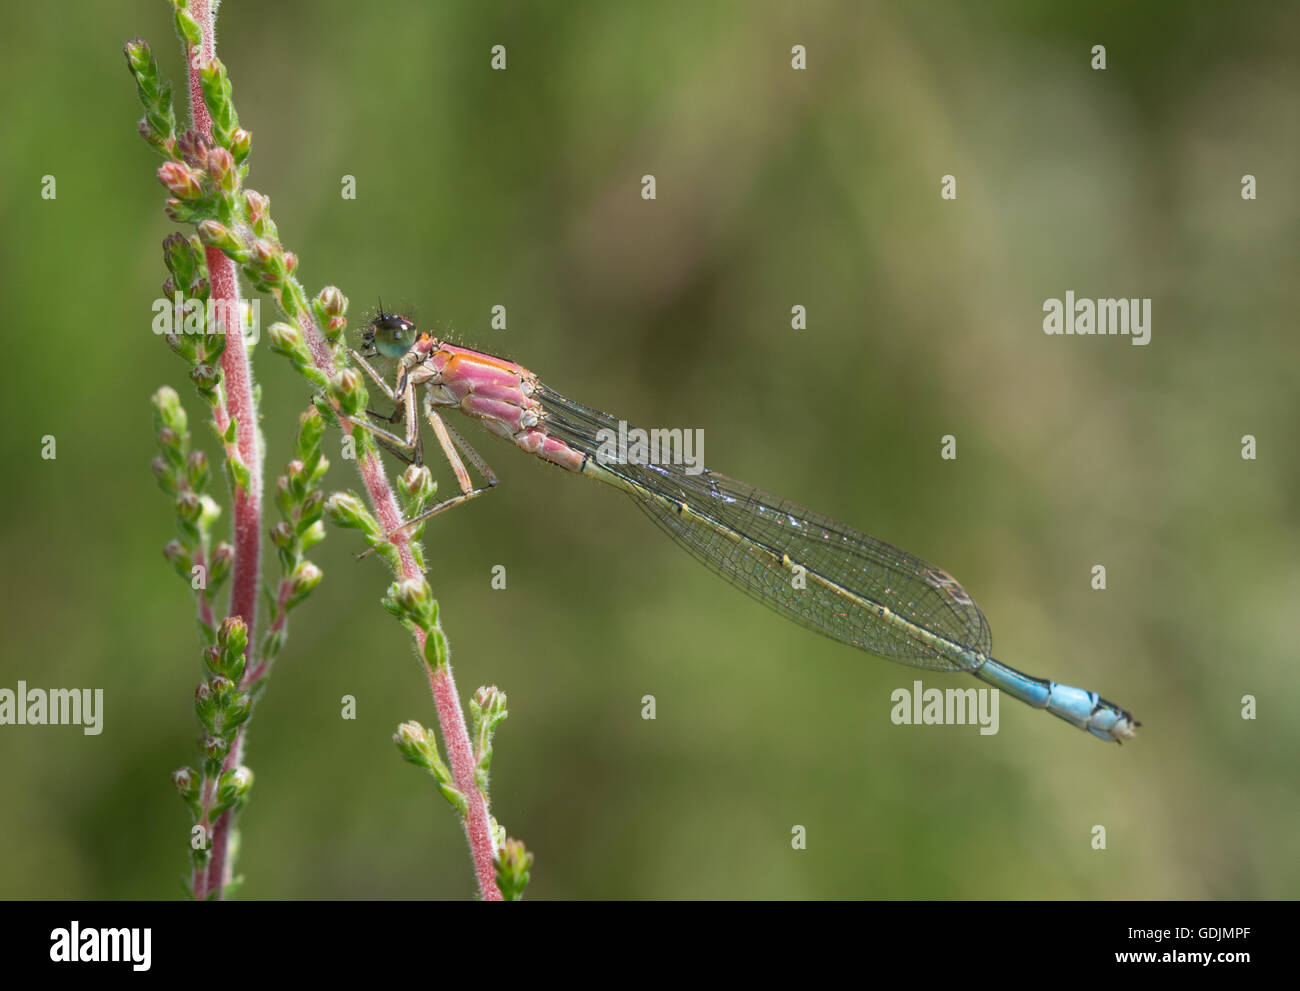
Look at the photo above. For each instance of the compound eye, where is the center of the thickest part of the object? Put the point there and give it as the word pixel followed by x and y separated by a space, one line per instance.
pixel 394 335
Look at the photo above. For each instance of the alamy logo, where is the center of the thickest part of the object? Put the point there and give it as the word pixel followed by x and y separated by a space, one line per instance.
pixel 77 945
pixel 55 707
pixel 632 445
pixel 1099 317
pixel 178 315
pixel 945 707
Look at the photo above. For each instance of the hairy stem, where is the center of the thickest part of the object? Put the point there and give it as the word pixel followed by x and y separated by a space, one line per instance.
pixel 238 405
pixel 451 720
pixel 460 756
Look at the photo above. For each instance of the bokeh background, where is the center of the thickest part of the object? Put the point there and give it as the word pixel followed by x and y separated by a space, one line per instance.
pixel 775 187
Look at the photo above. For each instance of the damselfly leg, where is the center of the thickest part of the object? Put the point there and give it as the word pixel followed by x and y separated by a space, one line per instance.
pixel 409 447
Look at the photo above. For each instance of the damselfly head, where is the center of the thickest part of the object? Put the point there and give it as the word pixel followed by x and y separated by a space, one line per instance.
pixel 391 334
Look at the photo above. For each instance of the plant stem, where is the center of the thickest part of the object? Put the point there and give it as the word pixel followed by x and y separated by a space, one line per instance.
pixel 451 720
pixel 237 378
pixel 460 756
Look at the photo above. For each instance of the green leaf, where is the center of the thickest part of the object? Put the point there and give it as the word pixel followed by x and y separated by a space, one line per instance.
pixel 240 472
pixel 188 28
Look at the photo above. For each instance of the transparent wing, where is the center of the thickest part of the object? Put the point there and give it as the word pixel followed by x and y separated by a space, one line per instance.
pixel 743 534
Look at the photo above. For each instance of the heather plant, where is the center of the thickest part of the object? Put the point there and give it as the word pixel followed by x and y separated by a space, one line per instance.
pixel 209 325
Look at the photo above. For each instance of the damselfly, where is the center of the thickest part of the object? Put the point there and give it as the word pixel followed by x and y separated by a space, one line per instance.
pixel 821 574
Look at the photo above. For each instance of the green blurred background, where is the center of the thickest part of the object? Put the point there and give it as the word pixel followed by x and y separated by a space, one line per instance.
pixel 775 187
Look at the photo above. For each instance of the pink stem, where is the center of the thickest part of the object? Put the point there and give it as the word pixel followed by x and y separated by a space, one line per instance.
pixel 478 824
pixel 451 721
pixel 238 389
